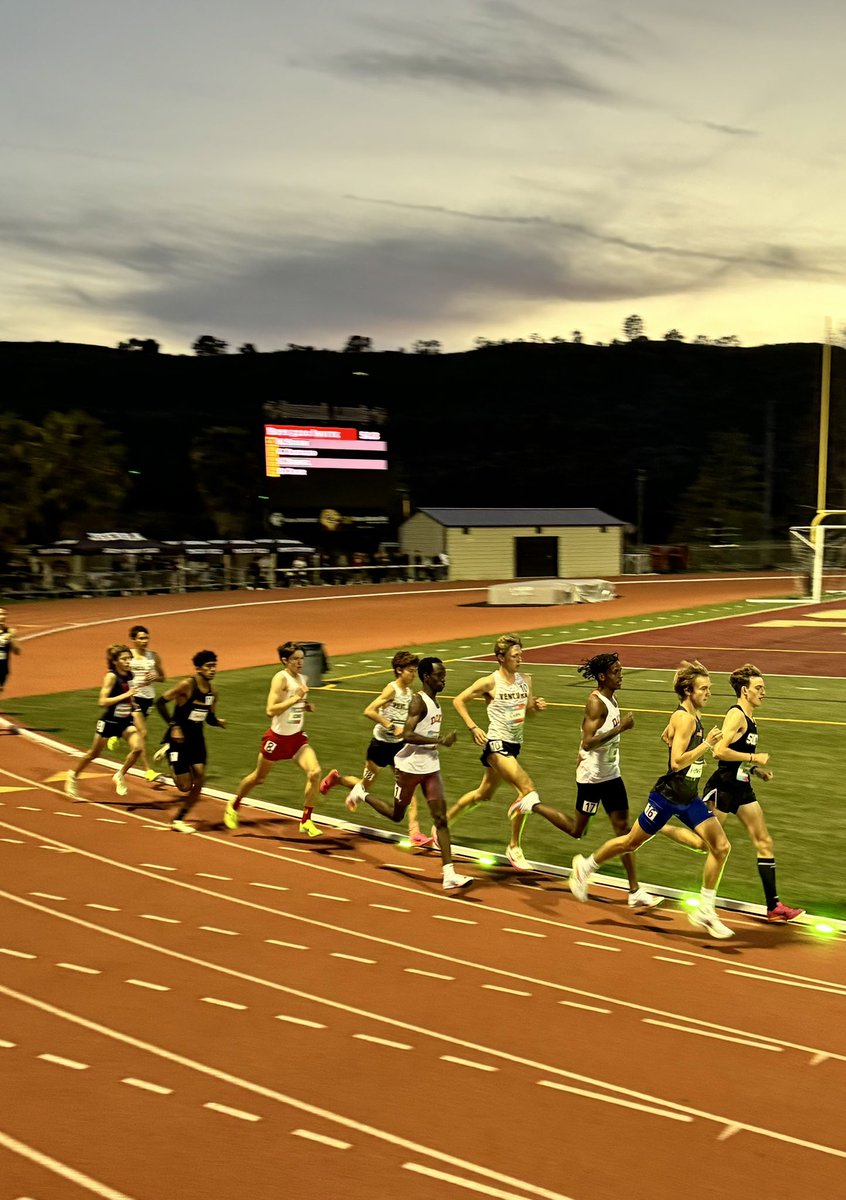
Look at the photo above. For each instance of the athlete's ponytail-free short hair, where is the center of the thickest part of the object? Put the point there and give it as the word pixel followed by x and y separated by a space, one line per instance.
pixel 505 643
pixel 114 652
pixel 135 630
pixel 424 667
pixel 743 676
pixel 598 665
pixel 404 659
pixel 685 677
pixel 203 657
pixel 287 649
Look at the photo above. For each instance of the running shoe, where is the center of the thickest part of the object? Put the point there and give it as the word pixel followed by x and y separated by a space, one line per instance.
pixel 419 839
pixel 150 776
pixel 708 919
pixel 355 797
pixel 310 828
pixel 784 913
pixel 71 788
pixel 525 806
pixel 182 827
pixel 517 858
pixel 230 815
pixel 579 878
pixel 453 882
pixel 642 899
pixel 329 781
pixel 161 752
pixel 113 744
pixel 120 784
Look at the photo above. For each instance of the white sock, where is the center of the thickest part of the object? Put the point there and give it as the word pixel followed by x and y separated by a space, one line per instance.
pixel 531 798
pixel 591 864
pixel 709 897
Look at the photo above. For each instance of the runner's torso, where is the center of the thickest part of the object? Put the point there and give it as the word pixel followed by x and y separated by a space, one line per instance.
pixel 507 708
pixel 603 763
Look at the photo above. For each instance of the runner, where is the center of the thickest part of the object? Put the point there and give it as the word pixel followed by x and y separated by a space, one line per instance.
pixel 147 670
pixel 287 704
pixel 508 695
pixel 417 764
pixel 194 700
pixel 9 645
pixel 120 719
pixel 675 795
pixel 389 712
pixel 729 790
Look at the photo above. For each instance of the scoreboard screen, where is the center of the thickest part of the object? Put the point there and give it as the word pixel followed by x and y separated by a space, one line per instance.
pixel 302 449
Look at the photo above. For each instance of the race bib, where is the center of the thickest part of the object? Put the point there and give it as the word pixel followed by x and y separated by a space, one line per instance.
pixel 269 746
pixel 744 770
pixel 123 710
pixel 650 812
pixel 198 715
pixel 495 746
pixel 589 807
pixel 694 771
pixel 101 726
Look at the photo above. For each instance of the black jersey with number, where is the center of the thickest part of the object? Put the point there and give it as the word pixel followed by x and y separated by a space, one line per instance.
pixel 191 716
pixel 680 787
pixel 733 774
pixel 123 708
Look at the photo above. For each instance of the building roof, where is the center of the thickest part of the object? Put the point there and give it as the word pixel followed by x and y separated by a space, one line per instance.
pixel 511 517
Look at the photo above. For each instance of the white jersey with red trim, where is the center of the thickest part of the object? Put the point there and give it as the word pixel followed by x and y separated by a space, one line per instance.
pixel 422 760
pixel 292 719
pixel 603 763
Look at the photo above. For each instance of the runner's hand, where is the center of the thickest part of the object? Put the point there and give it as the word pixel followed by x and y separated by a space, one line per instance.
pixel 448 739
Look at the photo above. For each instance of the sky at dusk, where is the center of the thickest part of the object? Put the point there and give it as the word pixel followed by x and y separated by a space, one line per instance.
pixel 281 171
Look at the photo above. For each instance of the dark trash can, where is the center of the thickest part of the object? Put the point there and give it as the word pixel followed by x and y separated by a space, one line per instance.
pixel 315 662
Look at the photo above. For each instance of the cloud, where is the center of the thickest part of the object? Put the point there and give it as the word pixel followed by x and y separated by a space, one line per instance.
pixel 731 130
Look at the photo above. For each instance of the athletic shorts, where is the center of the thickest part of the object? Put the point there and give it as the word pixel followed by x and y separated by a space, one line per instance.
pixel 184 755
pixel 658 810
pixel 610 793
pixel 382 754
pixel 728 800
pixel 109 727
pixel 506 749
pixel 279 747
pixel 145 703
pixel 4 671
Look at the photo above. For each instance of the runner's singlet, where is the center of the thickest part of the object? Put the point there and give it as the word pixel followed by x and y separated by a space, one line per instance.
pixel 395 711
pixel 680 787
pixel 603 763
pixel 123 708
pixel 730 774
pixel 507 709
pixel 292 719
pixel 140 666
pixel 191 716
pixel 422 760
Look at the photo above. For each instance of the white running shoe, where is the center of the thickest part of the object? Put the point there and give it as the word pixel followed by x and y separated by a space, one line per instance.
pixel 708 919
pixel 579 878
pixel 71 788
pixel 182 827
pixel 355 797
pixel 517 858
pixel 642 899
pixel 453 882
pixel 120 784
pixel 524 806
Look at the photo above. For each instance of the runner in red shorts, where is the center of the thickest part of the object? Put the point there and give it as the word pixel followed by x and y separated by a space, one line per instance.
pixel 287 704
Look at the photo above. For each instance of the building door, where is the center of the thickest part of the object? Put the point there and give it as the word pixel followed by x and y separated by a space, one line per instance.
pixel 536 557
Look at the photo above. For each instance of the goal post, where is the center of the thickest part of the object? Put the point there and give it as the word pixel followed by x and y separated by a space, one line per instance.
pixel 819 553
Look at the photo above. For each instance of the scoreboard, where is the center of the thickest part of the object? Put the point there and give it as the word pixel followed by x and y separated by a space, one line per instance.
pixel 302 449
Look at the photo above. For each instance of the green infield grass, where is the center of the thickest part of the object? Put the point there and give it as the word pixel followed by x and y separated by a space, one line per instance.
pixel 802 726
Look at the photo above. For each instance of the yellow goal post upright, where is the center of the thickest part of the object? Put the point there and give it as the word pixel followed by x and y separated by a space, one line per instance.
pixel 819 550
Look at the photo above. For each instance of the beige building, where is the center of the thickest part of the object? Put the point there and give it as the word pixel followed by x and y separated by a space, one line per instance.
pixel 517 543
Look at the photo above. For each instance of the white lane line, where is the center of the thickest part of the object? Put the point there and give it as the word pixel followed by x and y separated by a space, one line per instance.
pixel 28 808
pixel 273 887
pixel 299 1021
pixel 377 1041
pixel 721 1037
pixel 524 932
pixel 467 1062
pixel 586 1007
pixel 157 866
pixel 154 987
pixel 335 1143
pixel 677 962
pixel 647 1108
pixel 324 896
pixel 597 946
pixel 13 841
pixel 110 820
pixel 455 920
pixel 77 967
pixel 731 1130
pixel 208 875
pixel 103 907
pixel 238 1113
pixel 427 974
pixel 15 953
pixel 287 945
pixel 165 920
pixel 390 908
pixel 47 896
pixel 813 987
pixel 146 1086
pixel 223 1003
pixel 4 1045
pixel 58 1061
pixel 59 849
pixel 214 929
pixel 370 962
pixel 61 1169
pixel 495 987
pixel 76 816
pixel 471 1185
pixel 345 857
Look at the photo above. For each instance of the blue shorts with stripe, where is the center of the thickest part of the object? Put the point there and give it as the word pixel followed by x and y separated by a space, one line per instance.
pixel 658 810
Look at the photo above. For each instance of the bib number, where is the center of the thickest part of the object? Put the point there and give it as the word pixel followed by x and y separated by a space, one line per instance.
pixel 744 770
pixel 694 771
pixel 269 746
pixel 650 812
pixel 495 747
pixel 590 807
pixel 100 726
